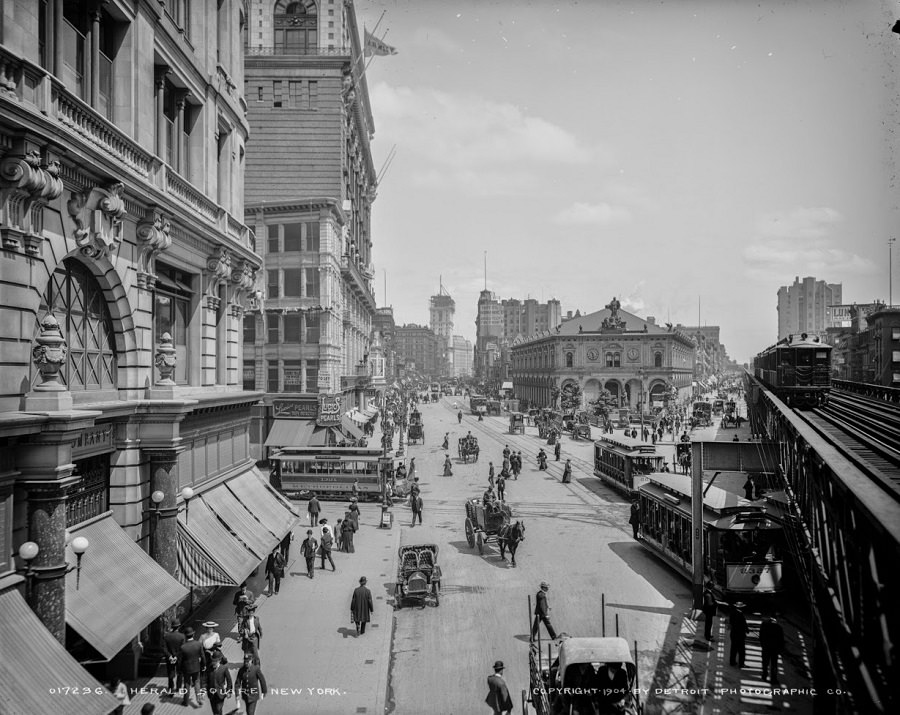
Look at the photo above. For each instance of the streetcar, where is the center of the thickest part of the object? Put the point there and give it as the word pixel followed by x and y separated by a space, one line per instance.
pixel 478 404
pixel 330 472
pixel 744 545
pixel 797 369
pixel 624 463
pixel 718 407
pixel 702 413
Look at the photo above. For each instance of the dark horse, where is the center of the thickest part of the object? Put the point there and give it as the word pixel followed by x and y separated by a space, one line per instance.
pixel 509 537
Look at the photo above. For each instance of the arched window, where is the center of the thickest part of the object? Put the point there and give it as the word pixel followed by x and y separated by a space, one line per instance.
pixel 657 360
pixel 569 359
pixel 296 28
pixel 609 359
pixel 77 301
pixel 617 359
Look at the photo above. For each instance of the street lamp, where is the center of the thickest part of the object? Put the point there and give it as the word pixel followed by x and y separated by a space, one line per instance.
pixel 28 552
pixel 79 545
pixel 187 494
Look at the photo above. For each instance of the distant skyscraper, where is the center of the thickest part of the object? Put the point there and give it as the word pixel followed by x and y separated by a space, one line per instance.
pixel 462 356
pixel 803 306
pixel 441 311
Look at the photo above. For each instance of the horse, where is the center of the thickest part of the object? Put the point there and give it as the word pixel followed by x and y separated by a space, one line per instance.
pixel 509 537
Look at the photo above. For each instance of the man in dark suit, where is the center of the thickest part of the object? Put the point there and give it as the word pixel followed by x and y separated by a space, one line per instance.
pixel 361 606
pixel 174 639
pixel 191 662
pixel 709 611
pixel 611 684
pixel 771 640
pixel 218 683
pixel 498 694
pixel 542 612
pixel 250 632
pixel 250 685
pixel 738 623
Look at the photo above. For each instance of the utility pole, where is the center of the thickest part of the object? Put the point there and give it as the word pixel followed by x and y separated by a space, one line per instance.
pixel 891 242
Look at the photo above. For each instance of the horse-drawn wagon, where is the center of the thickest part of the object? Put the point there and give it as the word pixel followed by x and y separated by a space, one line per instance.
pixel 416 431
pixel 468 447
pixel 493 523
pixel 418 575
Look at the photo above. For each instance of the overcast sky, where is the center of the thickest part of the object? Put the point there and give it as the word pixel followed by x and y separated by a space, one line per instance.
pixel 662 152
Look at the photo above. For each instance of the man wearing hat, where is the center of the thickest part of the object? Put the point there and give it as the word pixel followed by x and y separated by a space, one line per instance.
pixel 191 662
pixel 313 508
pixel 308 548
pixel 542 612
pixel 709 610
pixel 210 640
pixel 771 640
pixel 250 632
pixel 738 623
pixel 498 694
pixel 174 639
pixel 218 683
pixel 250 684
pixel 361 606
pixel 567 472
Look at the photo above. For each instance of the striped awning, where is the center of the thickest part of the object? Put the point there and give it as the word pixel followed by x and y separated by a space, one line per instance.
pixel 245 525
pixel 350 429
pixel 32 661
pixel 272 509
pixel 120 588
pixel 196 567
pixel 290 433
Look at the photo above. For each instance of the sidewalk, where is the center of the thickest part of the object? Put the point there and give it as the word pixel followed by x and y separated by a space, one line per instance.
pixel 312 658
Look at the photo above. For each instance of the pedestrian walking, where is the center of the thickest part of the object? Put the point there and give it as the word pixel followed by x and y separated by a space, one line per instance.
pixel 771 640
pixel 361 607
pixel 506 451
pixel 448 466
pixel 275 570
pixel 710 606
pixel 518 464
pixel 501 487
pixel 327 529
pixel 633 434
pixel 218 683
pixel 498 698
pixel 355 513
pixel 354 490
pixel 313 510
pixel 491 473
pixel 738 623
pixel 120 692
pixel 635 518
pixel 173 640
pixel 446 443
pixel 557 451
pixel 250 633
pixel 308 549
pixel 211 641
pixel 251 684
pixel 415 503
pixel 241 600
pixel 191 662
pixel 748 487
pixel 347 530
pixel 412 469
pixel 286 546
pixel 542 612
pixel 567 472
pixel 325 547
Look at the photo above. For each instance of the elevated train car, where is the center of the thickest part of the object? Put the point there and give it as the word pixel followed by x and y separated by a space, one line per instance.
pixel 797 369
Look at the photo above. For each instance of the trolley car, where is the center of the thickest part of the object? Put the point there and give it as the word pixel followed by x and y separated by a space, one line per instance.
pixel 331 471
pixel 797 369
pixel 743 542
pixel 624 463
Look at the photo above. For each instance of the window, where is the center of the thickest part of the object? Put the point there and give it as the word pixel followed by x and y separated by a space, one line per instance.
pixel 895 356
pixel 292 323
pixel 312 282
pixel 250 329
pixel 313 97
pixel 293 237
pixel 312 237
pixel 77 301
pixel 296 27
pixel 609 359
pixel 172 315
pixel 569 359
pixel 312 375
pixel 617 359
pixel 657 360
pixel 272 233
pixel 272 376
pixel 259 93
pixel 312 328
pixel 895 333
pixel 293 376
pixel 272 284
pixel 274 331
pixel 249 375
pixel 295 92
pixel 276 87
pixel 292 278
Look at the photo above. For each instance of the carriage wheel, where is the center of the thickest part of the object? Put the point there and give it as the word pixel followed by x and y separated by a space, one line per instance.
pixel 470 533
pixel 480 541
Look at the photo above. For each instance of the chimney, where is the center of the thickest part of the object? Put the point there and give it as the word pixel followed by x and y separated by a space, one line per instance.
pixel 651 319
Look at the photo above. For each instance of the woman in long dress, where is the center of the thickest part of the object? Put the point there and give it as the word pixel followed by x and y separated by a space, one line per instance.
pixel 412 469
pixel 448 466
pixel 347 534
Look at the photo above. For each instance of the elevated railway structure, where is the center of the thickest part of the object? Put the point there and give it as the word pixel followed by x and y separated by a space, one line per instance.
pixel 841 470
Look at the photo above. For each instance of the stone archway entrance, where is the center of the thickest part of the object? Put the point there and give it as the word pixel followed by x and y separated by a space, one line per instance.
pixel 614 389
pixel 633 391
pixel 591 391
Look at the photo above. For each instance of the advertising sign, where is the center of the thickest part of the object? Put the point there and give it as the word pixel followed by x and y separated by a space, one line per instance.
pixel 302 409
pixel 330 410
pixel 754 578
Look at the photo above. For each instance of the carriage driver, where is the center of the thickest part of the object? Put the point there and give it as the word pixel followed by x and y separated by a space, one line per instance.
pixel 488 499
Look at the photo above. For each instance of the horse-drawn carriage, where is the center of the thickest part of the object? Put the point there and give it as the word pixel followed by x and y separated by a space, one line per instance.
pixel 416 431
pixel 418 575
pixel 516 423
pixel 584 675
pixel 493 522
pixel 578 425
pixel 468 447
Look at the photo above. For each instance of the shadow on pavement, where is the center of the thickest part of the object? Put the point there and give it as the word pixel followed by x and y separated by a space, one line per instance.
pixel 348 632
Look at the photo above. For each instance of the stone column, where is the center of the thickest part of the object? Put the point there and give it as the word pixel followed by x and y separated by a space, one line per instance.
pixel 47 528
pixel 163 528
pixel 160 85
pixel 94 71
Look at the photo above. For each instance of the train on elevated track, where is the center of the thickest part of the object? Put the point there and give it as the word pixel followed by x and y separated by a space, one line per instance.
pixel 797 369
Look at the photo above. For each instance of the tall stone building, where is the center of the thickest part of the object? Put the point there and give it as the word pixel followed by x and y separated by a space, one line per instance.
pixel 309 190
pixel 417 348
pixel 488 335
pixel 803 306
pixel 441 309
pixel 126 267
pixel 462 356
pixel 383 322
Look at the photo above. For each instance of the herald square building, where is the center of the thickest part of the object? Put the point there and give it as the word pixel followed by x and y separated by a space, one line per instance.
pixel 632 357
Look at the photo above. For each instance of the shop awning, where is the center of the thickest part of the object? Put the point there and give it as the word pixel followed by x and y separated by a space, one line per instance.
pixel 32 660
pixel 350 429
pixel 245 525
pixel 357 416
pixel 290 433
pixel 120 588
pixel 507 386
pixel 207 535
pixel 370 412
pixel 272 509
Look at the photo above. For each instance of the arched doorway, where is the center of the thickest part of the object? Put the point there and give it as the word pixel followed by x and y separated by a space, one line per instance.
pixel 633 390
pixel 657 395
pixel 614 390
pixel 591 390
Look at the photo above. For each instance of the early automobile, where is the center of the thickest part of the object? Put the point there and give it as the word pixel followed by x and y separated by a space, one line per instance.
pixel 418 575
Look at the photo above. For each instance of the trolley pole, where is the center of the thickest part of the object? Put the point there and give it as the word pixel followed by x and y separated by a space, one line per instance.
pixel 697 522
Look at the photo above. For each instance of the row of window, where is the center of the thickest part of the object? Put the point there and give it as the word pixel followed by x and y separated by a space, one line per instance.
pixel 293 94
pixel 290 328
pixel 293 237
pixel 285 378
pixel 292 283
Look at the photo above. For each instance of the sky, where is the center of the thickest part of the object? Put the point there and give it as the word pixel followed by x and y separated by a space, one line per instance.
pixel 688 157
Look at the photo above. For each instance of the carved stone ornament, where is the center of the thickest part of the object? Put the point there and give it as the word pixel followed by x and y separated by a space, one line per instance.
pixel 613 322
pixel 49 354
pixel 98 219
pixel 26 186
pixel 243 281
pixel 165 360
pixel 218 266
pixel 153 237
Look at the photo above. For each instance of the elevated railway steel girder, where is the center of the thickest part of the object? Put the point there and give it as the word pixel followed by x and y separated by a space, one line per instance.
pixel 849 527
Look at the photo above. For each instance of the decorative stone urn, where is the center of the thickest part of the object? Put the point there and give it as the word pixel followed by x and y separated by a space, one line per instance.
pixel 49 354
pixel 165 360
